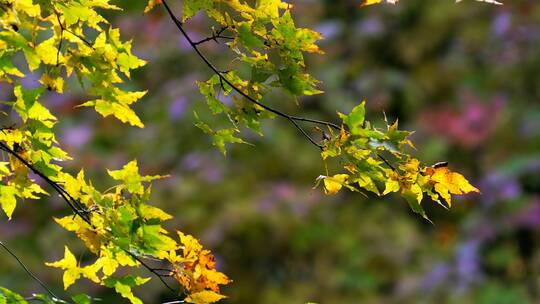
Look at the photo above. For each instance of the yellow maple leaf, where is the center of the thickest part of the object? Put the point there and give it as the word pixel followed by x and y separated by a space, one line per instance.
pixel 151 212
pixel 89 236
pixel 195 269
pixel 7 199
pixel 48 53
pixel 447 182
pixel 391 185
pixel 53 83
pixel 72 271
pixel 415 191
pixel 332 184
pixel 370 2
pixel 204 297
pixel 108 262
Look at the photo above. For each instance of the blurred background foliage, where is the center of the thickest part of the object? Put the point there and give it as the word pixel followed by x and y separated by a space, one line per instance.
pixel 464 77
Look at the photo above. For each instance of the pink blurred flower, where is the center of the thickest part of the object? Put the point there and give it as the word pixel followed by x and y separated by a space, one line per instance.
pixel 468 126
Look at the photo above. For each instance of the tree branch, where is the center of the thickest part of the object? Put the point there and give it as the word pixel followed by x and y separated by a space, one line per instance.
pixel 215 36
pixel 74 204
pixel 77 208
pixel 291 118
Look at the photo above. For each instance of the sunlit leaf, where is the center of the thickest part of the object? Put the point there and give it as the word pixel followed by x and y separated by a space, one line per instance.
pixel 204 297
pixel 332 184
pixel 447 182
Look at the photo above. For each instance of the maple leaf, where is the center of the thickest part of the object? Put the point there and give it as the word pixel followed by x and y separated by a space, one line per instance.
pixel 195 270
pixel 7 199
pixel 370 2
pixel 447 182
pixel 332 184
pixel 72 271
pixel 204 297
pixel 129 174
pixel 91 239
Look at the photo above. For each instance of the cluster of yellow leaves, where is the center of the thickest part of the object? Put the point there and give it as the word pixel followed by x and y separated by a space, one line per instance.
pixel 65 50
pixel 101 271
pixel 34 143
pixel 123 226
pixel 411 180
pixel 195 269
pixel 50 37
pixel 119 227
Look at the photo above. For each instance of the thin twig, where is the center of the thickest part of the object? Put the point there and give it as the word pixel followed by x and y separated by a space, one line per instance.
pixel 63 28
pixel 152 270
pixel 305 133
pixel 28 271
pixel 59 46
pixel 216 71
pixel 78 212
pixel 386 162
pixel 73 204
pixel 215 36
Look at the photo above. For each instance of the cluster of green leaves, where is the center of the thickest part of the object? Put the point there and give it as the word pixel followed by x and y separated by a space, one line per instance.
pixel 362 150
pixel 267 44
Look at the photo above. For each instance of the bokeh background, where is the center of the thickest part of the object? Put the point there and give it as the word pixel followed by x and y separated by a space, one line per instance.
pixel 465 77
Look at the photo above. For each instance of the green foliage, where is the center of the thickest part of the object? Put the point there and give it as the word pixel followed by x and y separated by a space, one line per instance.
pixel 7 296
pixel 266 43
pixel 360 150
pixel 53 36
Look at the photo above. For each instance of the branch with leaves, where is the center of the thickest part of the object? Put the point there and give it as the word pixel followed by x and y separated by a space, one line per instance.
pixel 373 160
pixel 120 228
